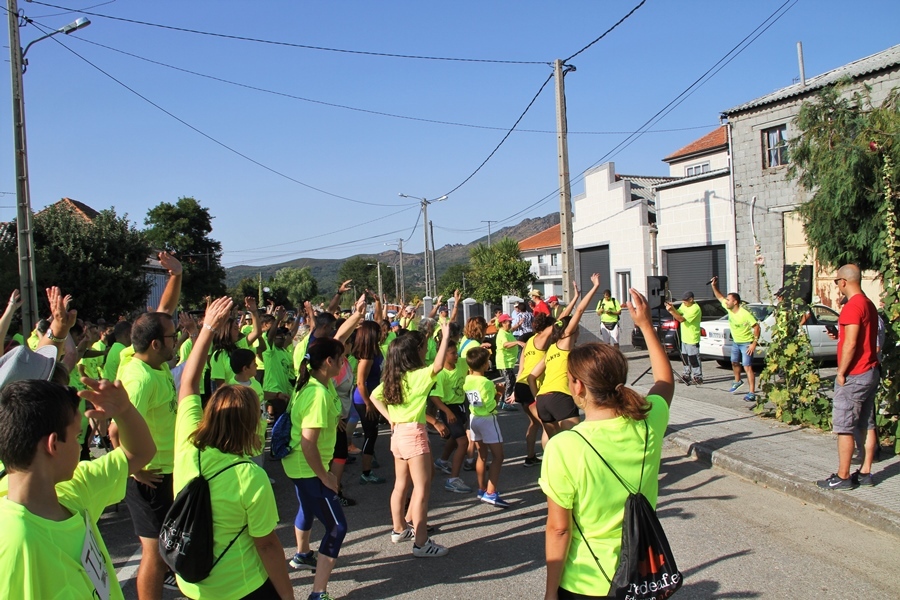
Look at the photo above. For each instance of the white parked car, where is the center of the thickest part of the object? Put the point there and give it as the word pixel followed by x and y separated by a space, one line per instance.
pixel 715 336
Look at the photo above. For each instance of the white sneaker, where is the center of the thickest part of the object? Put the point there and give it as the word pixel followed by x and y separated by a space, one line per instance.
pixel 404 536
pixel 430 550
pixel 455 484
pixel 443 465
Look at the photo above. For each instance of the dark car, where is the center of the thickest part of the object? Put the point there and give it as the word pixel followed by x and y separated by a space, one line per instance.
pixel 667 328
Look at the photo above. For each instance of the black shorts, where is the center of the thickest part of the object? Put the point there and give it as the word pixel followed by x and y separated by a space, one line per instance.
pixel 148 506
pixel 523 394
pixel 458 429
pixel 555 406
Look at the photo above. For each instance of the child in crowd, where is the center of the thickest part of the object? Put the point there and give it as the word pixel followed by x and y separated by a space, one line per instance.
pixel 243 365
pixel 401 398
pixel 482 395
pixel 449 397
pixel 278 383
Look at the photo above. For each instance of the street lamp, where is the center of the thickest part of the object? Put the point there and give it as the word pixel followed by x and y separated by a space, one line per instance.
pixel 17 65
pixel 425 202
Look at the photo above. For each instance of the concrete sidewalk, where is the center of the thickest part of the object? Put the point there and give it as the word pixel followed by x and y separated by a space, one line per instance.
pixel 787 458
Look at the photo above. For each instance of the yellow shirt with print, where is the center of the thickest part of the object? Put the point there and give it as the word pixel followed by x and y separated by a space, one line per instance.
pixel 416 388
pixel 556 362
pixel 152 391
pixel 531 357
pixel 448 386
pixel 481 394
pixel 741 324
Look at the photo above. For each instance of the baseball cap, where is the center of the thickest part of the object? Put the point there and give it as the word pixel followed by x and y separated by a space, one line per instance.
pixel 688 296
pixel 395 323
pixel 504 317
pixel 23 363
pixel 552 299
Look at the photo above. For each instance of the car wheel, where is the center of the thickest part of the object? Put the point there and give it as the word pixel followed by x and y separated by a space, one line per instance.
pixel 725 364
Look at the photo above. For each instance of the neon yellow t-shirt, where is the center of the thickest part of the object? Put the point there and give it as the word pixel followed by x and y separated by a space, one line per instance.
pixel 431 350
pixel 448 386
pixel 254 385
pixel 152 391
pixel 605 305
pixel 741 324
pixel 465 344
pixel 391 336
pixel 33 340
pixel 576 485
pixel 220 364
pixel 481 394
pixel 315 406
pixel 690 328
pixel 240 496
pixel 93 366
pixel 556 362
pixel 531 357
pixel 299 352
pixel 279 370
pixel 42 558
pixel 506 357
pixel 416 387
pixel 124 356
pixel 113 357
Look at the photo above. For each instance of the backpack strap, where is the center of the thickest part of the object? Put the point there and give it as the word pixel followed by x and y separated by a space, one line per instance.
pixel 591 550
pixel 216 474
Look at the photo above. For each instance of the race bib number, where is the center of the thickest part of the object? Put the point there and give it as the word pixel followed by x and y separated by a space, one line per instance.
pixel 93 561
pixel 474 398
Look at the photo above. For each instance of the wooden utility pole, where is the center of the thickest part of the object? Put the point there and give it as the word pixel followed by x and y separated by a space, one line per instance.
pixel 565 190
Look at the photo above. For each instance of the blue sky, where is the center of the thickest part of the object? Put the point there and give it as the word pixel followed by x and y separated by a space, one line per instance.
pixel 91 139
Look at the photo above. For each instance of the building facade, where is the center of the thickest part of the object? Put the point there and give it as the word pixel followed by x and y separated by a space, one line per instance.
pixel 543 251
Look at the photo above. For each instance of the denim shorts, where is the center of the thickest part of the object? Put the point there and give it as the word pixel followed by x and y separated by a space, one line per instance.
pixel 739 353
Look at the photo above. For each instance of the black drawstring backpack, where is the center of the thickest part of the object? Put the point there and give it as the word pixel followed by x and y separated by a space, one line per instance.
pixel 647 569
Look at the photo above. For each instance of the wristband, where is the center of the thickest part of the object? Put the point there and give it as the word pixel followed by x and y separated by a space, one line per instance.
pixel 55 339
pixel 207 326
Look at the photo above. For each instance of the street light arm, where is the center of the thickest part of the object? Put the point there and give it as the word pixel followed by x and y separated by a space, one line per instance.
pixel 75 25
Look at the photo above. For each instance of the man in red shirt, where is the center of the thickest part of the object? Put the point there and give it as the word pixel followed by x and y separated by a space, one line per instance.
pixel 539 305
pixel 858 377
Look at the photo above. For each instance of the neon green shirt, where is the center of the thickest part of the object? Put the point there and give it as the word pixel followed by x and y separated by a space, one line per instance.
pixel 17 337
pixel 481 394
pixel 113 357
pixel 315 406
pixel 152 391
pixel 448 386
pixel 93 366
pixel 299 352
pixel 416 387
pixel 42 558
pixel 741 324
pixel 531 357
pixel 220 364
pixel 556 362
pixel 124 356
pixel 506 357
pixel 593 494
pixel 465 344
pixel 279 370
pixel 240 496
pixel 690 328
pixel 605 305
pixel 431 350
pixel 33 340
pixel 391 336
pixel 254 385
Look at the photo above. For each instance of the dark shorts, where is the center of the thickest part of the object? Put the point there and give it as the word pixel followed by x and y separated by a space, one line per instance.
pixel 853 409
pixel 148 506
pixel 266 591
pixel 461 412
pixel 564 594
pixel 555 406
pixel 523 394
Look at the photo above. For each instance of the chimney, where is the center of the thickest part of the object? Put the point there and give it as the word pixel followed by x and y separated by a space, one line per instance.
pixel 800 60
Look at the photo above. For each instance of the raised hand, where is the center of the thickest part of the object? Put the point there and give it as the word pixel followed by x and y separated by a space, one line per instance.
pixel 218 312
pixel 58 308
pixel 250 303
pixel 575 287
pixel 361 304
pixel 640 312
pixel 109 398
pixel 170 263
pixel 15 301
pixel 595 279
pixel 345 287
pixel 187 323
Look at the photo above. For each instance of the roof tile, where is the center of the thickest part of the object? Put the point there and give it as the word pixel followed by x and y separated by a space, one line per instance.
pixel 712 140
pixel 548 238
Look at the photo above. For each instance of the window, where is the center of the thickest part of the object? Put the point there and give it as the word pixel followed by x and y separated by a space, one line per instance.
pixel 696 169
pixel 775 150
pixel 554 260
pixel 540 259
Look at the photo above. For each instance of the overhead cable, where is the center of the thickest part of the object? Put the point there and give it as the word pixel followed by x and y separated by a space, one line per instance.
pixel 604 34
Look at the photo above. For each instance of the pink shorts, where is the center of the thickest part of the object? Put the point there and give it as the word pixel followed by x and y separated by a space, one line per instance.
pixel 409 440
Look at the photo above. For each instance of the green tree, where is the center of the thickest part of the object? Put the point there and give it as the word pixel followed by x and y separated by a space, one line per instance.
pixel 248 286
pixel 296 285
pixel 498 270
pixel 456 277
pixel 364 273
pixel 184 229
pixel 99 262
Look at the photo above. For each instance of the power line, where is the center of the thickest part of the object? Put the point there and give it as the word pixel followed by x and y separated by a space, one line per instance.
pixel 209 137
pixel 350 244
pixel 74 10
pixel 301 46
pixel 603 35
pixel 357 109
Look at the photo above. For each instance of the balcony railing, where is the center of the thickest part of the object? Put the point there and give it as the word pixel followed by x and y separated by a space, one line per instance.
pixel 545 270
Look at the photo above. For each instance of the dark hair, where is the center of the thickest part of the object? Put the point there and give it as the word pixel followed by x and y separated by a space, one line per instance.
pixel 29 411
pixel 735 296
pixel 404 355
pixel 478 358
pixel 365 345
pixel 230 421
pixel 222 340
pixel 324 320
pixel 266 318
pixel 240 359
pixel 385 330
pixel 603 370
pixel 540 322
pixel 475 328
pixel 559 328
pixel 119 330
pixel 147 328
pixel 42 326
pixel 320 350
pixel 453 336
pixel 607 291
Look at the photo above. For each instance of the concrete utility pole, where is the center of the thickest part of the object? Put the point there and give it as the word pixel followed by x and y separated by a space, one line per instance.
pixel 377 265
pixel 489 231
pixel 402 283
pixel 433 268
pixel 425 202
pixel 565 190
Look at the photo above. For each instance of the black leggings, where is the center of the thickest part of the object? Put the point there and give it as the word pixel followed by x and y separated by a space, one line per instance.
pixel 340 443
pixel 370 429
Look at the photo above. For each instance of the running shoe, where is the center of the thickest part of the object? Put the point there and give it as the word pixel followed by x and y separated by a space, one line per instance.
pixel 736 386
pixel 495 500
pixel 698 381
pixel 320 596
pixel 443 465
pixel 404 536
pixel 170 583
pixel 429 550
pixel 836 483
pixel 345 501
pixel 480 494
pixel 686 379
pixel 469 465
pixel 429 529
pixel 304 561
pixel 531 462
pixel 370 478
pixel 751 397
pixel 862 479
pixel 455 484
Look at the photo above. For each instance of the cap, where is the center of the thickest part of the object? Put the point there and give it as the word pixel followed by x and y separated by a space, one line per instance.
pixel 553 299
pixel 504 317
pixel 688 296
pixel 535 293
pixel 395 323
pixel 23 363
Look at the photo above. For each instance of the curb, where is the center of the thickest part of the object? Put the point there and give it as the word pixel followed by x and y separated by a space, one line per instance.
pixel 842 503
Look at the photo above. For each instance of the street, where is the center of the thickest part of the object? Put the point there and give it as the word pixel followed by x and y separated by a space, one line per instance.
pixel 731 538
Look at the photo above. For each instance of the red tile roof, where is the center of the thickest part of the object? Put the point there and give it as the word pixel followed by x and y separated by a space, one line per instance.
pixel 711 141
pixel 79 208
pixel 548 238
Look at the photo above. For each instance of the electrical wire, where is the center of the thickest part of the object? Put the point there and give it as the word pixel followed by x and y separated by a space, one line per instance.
pixel 74 10
pixel 301 46
pixel 349 244
pixel 209 137
pixel 357 109
pixel 604 34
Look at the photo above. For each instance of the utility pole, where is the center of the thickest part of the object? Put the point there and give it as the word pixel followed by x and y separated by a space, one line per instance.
pixel 378 266
pixel 433 268
pixel 425 222
pixel 565 190
pixel 489 231
pixel 402 283
pixel 259 301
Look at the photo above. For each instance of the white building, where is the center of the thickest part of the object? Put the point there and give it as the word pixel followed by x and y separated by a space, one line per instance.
pixel 542 250
pixel 695 218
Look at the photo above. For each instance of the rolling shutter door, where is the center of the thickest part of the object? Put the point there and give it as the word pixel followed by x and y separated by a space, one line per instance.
pixel 690 269
pixel 594 260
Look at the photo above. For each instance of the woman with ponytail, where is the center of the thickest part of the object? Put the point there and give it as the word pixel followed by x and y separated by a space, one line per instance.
pixel 627 430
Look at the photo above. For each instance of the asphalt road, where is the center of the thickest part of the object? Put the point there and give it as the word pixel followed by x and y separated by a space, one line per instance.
pixel 731 538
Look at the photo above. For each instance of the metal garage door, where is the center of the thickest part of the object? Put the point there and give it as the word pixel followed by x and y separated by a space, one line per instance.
pixel 691 269
pixel 590 261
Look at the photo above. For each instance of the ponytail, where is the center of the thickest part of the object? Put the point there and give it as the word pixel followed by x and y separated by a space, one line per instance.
pixel 603 370
pixel 320 350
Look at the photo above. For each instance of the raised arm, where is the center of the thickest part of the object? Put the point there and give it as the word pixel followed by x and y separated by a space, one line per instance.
pixel 442 351
pixel 353 321
pixel 571 306
pixel 336 300
pixel 663 381
pixel 715 288
pixel 62 322
pixel 250 305
pixel 216 315
pixel 169 301
pixel 435 307
pixel 582 306
pixel 15 303
pixel 456 298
